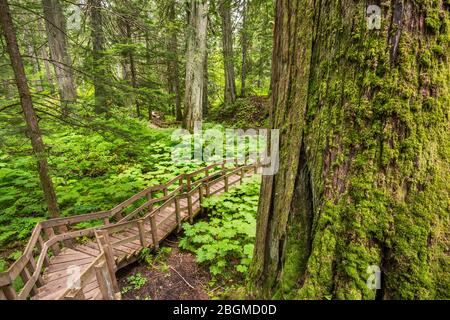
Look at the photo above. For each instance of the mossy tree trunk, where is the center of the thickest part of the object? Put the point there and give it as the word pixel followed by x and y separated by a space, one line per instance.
pixel 364 153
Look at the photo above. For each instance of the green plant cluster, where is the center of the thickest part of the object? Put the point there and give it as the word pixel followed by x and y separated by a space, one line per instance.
pixel 225 240
pixel 135 282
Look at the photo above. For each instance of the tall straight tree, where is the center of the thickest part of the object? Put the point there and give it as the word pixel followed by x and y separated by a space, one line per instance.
pixel 363 180
pixel 98 59
pixel 29 113
pixel 131 61
pixel 173 61
pixel 227 47
pixel 55 24
pixel 244 46
pixel 197 11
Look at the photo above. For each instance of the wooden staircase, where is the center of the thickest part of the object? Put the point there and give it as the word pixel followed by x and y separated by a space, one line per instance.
pixel 62 261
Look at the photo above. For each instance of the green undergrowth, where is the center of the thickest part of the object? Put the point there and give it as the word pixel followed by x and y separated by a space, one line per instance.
pixel 93 169
pixel 250 112
pixel 224 241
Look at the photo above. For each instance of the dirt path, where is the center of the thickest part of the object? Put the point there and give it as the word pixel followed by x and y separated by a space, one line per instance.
pixel 165 277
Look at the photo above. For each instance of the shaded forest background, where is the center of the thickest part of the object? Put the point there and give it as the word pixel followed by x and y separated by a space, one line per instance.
pixel 97 72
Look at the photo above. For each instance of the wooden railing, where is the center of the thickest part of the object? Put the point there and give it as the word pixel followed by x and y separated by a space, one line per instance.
pixel 52 235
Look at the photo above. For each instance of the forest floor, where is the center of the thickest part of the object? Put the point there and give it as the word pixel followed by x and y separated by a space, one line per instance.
pixel 173 276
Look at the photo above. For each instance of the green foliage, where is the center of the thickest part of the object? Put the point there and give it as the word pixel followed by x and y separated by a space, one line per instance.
pixel 92 170
pixel 225 240
pixel 156 260
pixel 252 112
pixel 137 281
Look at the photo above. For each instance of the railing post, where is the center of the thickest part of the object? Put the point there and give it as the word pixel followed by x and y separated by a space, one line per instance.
pixel 208 189
pixel 188 183
pixel 9 292
pixel 39 281
pixel 50 234
pixel 25 275
pixel 226 183
pixel 190 209
pixel 166 192
pixel 149 198
pixel 105 246
pixel 177 213
pixel 154 232
pixel 40 246
pixel 2 295
pixel 200 196
pixel 141 228
pixel 105 283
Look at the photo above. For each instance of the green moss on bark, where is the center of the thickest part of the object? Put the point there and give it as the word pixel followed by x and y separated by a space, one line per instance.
pixel 375 128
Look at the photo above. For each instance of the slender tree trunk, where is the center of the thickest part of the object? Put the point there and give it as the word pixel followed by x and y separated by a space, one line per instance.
pixel 195 59
pixel 35 63
pixel 133 74
pixel 244 44
pixel 205 87
pixel 173 67
pixel 55 24
pixel 48 71
pixel 227 44
pixel 33 130
pixel 99 67
pixel 363 178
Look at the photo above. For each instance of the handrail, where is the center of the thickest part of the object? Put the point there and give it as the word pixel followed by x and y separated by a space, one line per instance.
pixel 45 229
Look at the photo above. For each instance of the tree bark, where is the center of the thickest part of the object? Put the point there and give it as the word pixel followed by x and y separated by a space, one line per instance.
pixel 172 63
pixel 33 130
pixel 244 45
pixel 99 67
pixel 227 46
pixel 363 179
pixel 133 74
pixel 195 59
pixel 205 87
pixel 48 71
pixel 55 24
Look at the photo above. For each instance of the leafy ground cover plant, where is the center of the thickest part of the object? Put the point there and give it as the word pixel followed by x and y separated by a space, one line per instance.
pixel 225 240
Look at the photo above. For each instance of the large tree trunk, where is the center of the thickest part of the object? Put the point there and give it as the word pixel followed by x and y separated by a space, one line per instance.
pixel 363 180
pixel 227 46
pixel 195 59
pixel 99 67
pixel 172 63
pixel 55 24
pixel 33 130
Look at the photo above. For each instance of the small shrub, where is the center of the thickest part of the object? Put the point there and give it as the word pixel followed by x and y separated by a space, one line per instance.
pixel 137 281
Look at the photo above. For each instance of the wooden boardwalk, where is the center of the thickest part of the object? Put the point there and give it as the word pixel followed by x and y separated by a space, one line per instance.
pixel 63 261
